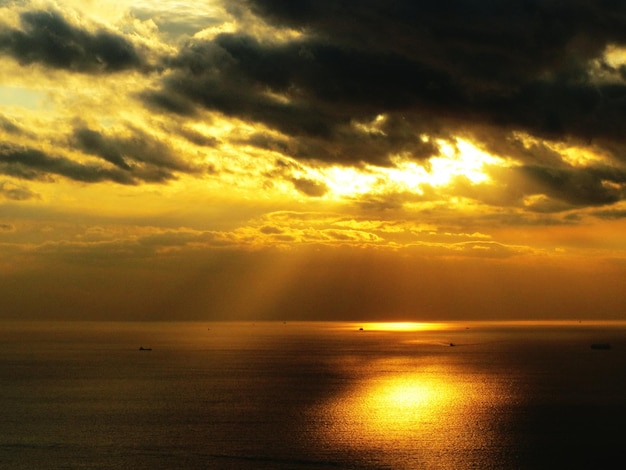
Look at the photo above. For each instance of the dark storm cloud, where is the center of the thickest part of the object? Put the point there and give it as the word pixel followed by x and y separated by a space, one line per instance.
pixel 435 68
pixel 521 64
pixel 326 94
pixel 93 142
pixel 547 188
pixel 198 138
pixel 130 158
pixel 490 40
pixel 28 163
pixel 48 38
pixel 578 187
pixel 144 156
pixel 394 135
pixel 310 187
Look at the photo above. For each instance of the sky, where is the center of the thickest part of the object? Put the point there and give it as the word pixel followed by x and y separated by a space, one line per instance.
pixel 312 160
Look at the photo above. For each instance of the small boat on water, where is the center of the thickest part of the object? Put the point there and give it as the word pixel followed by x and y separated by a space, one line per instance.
pixel 141 348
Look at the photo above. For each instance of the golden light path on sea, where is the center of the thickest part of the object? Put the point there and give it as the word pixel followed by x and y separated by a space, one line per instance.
pixel 420 415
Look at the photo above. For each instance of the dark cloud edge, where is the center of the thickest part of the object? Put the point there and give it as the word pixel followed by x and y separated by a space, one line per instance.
pixel 47 38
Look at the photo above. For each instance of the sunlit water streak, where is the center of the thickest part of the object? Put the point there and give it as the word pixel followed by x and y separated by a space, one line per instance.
pixel 311 395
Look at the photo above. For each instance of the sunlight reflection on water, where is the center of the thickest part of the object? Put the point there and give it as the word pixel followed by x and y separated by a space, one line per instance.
pixel 425 418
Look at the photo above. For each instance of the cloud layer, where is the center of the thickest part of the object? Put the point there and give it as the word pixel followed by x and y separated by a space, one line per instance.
pixel 356 84
pixel 312 158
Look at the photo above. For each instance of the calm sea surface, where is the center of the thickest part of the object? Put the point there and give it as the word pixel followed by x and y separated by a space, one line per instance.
pixel 311 396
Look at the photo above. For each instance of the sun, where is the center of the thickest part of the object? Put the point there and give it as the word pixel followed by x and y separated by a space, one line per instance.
pixel 456 159
pixel 462 159
pixel 344 181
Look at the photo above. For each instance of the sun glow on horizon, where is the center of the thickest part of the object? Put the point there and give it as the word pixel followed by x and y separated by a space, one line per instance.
pixel 402 326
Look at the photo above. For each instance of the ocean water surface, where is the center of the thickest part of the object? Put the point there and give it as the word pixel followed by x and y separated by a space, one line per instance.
pixel 311 395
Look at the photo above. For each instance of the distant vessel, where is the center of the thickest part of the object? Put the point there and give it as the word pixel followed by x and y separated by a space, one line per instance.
pixel 600 346
pixel 141 348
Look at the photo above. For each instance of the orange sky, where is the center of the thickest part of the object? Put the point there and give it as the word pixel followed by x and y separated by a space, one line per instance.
pixel 260 159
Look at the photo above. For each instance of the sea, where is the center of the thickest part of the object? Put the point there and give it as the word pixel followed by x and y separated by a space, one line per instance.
pixel 312 395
